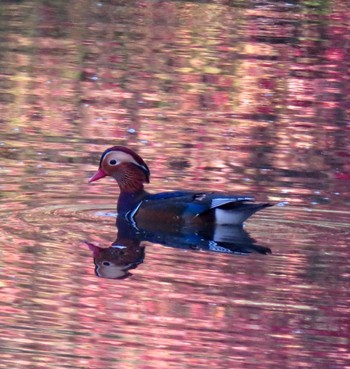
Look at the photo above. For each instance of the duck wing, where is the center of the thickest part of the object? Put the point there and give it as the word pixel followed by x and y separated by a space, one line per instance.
pixel 189 207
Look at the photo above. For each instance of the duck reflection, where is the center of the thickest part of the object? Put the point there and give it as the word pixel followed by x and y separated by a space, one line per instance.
pixel 127 252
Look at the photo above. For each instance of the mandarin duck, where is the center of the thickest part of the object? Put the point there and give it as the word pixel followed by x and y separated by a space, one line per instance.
pixel 177 207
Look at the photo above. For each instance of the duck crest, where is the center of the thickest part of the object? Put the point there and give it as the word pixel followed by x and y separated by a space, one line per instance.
pixel 133 156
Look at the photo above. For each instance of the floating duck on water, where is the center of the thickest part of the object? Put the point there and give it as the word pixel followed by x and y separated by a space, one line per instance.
pixel 176 207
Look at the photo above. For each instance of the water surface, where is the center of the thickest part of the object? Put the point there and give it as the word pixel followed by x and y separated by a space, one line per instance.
pixel 246 97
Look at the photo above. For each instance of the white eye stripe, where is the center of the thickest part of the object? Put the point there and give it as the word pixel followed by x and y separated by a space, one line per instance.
pixel 143 167
pixel 114 158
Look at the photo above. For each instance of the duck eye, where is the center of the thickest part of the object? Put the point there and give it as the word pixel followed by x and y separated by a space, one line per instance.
pixel 106 263
pixel 113 162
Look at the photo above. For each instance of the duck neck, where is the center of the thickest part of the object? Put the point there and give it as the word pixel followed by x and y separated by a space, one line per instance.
pixel 130 180
pixel 129 200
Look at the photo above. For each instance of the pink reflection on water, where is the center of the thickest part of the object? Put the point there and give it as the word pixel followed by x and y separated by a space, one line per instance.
pixel 250 99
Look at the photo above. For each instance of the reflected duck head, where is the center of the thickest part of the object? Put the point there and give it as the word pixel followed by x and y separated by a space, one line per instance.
pixel 125 166
pixel 115 262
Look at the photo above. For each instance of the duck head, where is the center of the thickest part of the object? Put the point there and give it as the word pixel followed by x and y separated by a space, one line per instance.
pixel 125 166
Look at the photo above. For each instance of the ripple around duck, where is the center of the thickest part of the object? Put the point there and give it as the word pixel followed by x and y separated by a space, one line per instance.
pixel 323 218
pixel 61 213
pixel 288 216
